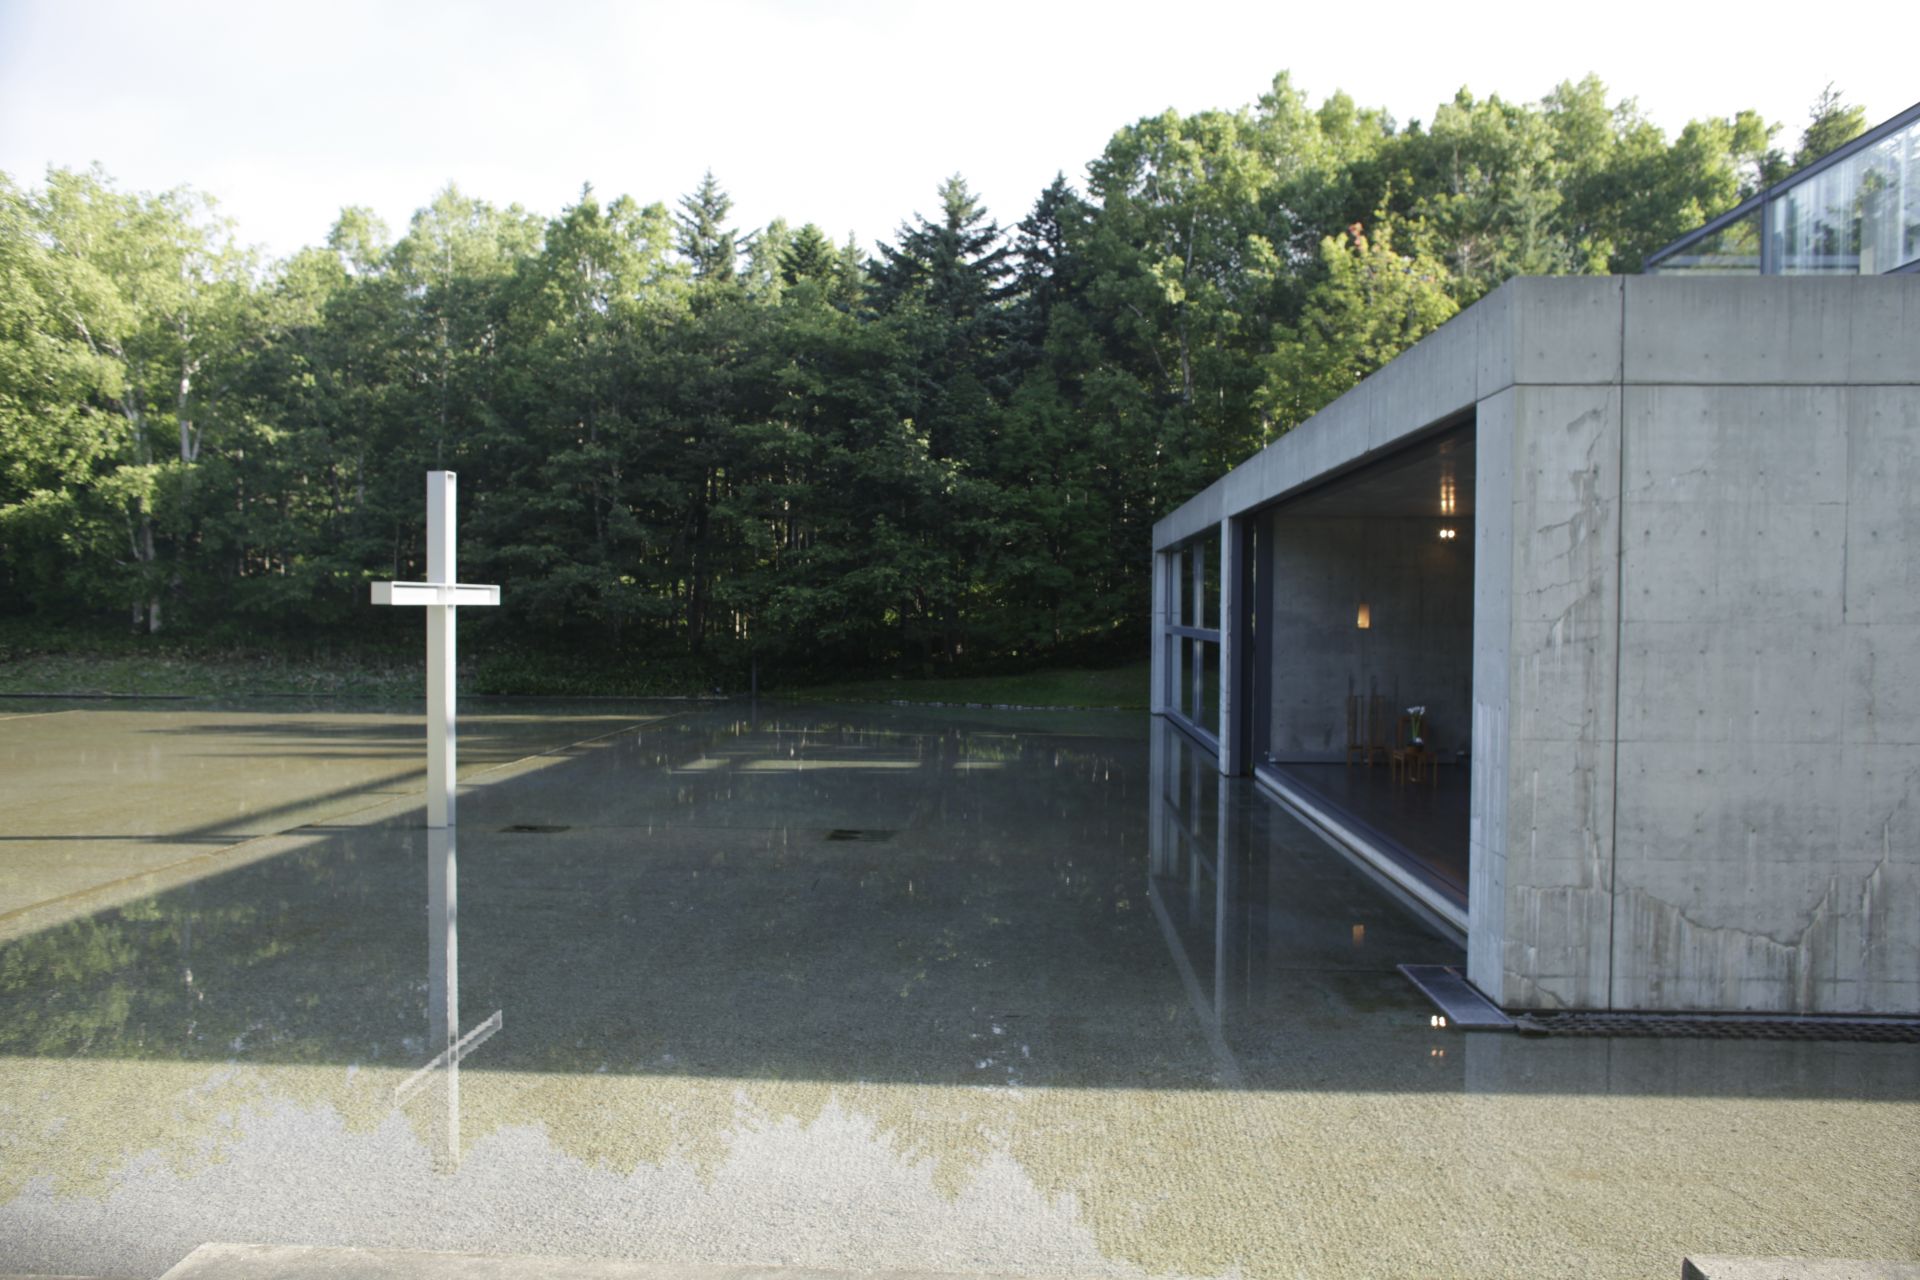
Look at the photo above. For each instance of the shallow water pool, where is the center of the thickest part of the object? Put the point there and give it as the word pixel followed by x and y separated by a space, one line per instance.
pixel 848 987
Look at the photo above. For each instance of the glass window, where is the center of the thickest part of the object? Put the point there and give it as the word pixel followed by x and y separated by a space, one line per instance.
pixel 1732 250
pixel 1858 217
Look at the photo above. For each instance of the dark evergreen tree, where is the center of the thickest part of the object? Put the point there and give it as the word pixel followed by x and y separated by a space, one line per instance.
pixel 1830 124
pixel 704 239
pixel 809 255
pixel 1046 266
pixel 958 266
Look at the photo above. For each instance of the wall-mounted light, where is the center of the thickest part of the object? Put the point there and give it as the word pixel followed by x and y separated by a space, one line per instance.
pixel 1365 620
pixel 1448 535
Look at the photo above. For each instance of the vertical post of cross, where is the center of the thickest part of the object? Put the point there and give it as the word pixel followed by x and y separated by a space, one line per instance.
pixel 441 594
pixel 441 657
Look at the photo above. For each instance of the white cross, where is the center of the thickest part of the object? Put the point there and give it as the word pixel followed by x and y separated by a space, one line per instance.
pixel 441 595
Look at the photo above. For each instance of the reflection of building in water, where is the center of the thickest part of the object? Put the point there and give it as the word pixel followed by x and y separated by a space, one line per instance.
pixel 439 1079
pixel 1192 856
pixel 1288 951
pixel 1282 940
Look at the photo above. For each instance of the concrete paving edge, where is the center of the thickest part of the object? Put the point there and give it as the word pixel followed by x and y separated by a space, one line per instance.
pixel 301 1262
pixel 1721 1268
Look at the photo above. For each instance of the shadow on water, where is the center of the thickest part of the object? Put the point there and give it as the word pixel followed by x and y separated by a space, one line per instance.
pixel 831 895
pixel 227 772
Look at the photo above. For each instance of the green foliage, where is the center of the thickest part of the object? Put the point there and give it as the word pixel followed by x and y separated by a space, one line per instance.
pixel 41 658
pixel 1830 124
pixel 1373 303
pixel 683 451
pixel 132 320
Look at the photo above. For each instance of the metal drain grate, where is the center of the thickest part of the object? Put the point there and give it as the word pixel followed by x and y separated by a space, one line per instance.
pixel 1460 1002
pixel 859 833
pixel 533 828
pixel 1729 1027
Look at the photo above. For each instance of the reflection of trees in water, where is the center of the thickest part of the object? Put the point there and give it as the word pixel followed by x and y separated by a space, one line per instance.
pixel 1350 1160
pixel 310 962
pixel 1160 1180
pixel 1193 1182
pixel 297 959
pixel 313 955
pixel 1168 1181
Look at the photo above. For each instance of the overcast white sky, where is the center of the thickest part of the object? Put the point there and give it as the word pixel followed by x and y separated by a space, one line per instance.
pixel 842 112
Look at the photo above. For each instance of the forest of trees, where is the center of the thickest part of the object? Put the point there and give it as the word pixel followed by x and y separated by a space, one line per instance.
pixel 683 440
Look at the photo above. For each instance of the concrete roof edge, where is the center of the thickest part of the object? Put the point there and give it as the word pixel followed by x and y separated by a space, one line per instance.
pixel 1585 331
pixel 1440 376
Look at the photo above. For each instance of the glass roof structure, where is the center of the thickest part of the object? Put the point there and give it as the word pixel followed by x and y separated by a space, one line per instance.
pixel 1854 211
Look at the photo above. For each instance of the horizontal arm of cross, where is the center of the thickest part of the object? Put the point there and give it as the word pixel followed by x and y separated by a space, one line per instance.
pixel 450 1057
pixel 434 593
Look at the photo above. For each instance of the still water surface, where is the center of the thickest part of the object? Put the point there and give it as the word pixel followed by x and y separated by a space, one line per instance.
pixel 849 987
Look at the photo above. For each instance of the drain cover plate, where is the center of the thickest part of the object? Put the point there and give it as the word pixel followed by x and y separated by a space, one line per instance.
pixel 1463 1004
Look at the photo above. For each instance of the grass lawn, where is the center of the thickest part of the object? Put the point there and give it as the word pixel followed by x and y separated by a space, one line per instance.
pixel 45 661
pixel 177 671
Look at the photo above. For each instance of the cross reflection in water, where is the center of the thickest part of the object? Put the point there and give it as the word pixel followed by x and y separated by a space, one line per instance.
pixel 440 1077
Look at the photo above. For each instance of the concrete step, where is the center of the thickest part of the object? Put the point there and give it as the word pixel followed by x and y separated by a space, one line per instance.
pixel 1722 1268
pixel 302 1262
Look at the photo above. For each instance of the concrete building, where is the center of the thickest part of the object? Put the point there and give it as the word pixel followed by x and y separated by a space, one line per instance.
pixel 1647 552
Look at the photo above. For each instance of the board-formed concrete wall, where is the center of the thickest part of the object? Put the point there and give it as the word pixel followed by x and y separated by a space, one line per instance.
pixel 1545 907
pixel 1696 668
pixel 1768 815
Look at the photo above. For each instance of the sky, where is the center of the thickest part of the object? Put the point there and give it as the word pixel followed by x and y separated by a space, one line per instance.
pixel 847 113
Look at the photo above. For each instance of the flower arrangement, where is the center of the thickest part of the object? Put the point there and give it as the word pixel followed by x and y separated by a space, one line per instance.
pixel 1413 729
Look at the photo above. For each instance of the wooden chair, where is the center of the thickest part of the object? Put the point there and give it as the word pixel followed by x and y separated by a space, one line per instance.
pixel 1402 753
pixel 1366 725
pixel 1377 740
